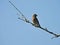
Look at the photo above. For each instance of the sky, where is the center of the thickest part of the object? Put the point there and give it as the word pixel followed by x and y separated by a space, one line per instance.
pixel 17 32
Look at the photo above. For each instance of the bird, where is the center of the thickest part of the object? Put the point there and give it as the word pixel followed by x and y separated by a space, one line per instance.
pixel 35 20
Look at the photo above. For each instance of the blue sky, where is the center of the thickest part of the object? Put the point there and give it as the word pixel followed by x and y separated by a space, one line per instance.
pixel 16 32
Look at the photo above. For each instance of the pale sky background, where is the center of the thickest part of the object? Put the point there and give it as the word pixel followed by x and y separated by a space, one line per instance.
pixel 16 32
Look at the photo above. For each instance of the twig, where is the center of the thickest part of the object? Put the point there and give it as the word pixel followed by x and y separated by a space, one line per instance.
pixel 17 9
pixel 27 21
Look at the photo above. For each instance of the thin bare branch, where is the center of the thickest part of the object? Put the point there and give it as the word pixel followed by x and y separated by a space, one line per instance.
pixel 27 21
pixel 17 9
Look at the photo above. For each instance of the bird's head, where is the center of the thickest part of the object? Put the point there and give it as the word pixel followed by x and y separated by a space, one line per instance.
pixel 34 15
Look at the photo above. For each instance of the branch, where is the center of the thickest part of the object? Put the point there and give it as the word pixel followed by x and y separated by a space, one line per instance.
pixel 27 21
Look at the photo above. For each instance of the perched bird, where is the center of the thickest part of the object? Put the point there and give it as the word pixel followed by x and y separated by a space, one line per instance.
pixel 35 20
